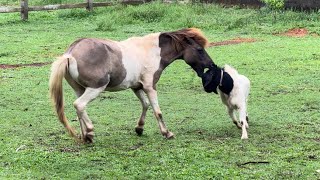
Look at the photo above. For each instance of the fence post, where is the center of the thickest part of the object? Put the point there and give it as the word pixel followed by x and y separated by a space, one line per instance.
pixel 90 5
pixel 24 9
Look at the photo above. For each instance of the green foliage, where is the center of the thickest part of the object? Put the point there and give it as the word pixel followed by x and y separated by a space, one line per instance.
pixel 205 17
pixel 274 4
pixel 283 104
pixel 76 13
pixel 152 12
pixel 9 2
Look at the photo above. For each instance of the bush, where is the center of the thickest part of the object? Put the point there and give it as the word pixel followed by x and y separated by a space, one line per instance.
pixel 274 4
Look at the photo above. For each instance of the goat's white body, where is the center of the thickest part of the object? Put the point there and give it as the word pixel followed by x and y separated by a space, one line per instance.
pixel 237 100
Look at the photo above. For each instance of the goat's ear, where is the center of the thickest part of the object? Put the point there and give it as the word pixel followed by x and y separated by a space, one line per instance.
pixel 215 90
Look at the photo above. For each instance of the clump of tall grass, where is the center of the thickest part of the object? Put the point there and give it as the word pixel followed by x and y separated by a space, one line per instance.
pixel 148 13
pixel 75 13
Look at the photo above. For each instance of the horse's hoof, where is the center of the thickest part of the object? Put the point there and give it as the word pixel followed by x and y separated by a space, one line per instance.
pixel 169 135
pixel 139 131
pixel 88 138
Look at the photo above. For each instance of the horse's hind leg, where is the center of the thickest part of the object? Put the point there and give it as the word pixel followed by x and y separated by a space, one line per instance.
pixel 145 104
pixel 79 90
pixel 80 105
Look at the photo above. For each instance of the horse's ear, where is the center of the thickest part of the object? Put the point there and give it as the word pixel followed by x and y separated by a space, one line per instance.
pixel 189 41
pixel 164 39
pixel 171 42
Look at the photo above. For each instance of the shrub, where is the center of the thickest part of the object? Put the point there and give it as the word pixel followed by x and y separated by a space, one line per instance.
pixel 274 4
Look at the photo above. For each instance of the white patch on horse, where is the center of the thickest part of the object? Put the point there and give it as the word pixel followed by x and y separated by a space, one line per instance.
pixel 140 59
pixel 73 67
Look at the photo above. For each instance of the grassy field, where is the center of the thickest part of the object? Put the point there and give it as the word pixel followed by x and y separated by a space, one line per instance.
pixel 284 102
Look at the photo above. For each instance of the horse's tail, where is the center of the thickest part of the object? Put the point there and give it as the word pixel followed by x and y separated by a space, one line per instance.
pixel 58 70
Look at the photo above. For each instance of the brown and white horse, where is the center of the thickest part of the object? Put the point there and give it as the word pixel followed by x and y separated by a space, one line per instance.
pixel 92 66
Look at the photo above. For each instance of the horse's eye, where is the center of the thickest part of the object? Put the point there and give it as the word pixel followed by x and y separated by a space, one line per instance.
pixel 199 48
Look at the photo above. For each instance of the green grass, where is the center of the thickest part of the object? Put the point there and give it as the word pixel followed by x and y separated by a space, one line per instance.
pixel 283 106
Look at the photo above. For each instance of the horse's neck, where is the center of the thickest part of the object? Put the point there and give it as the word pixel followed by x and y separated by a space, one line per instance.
pixel 143 47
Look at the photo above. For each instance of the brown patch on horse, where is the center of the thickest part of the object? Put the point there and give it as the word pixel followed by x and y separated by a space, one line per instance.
pixel 99 62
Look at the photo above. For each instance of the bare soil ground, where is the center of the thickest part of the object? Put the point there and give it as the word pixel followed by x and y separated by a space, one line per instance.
pixel 12 66
pixel 296 32
pixel 232 41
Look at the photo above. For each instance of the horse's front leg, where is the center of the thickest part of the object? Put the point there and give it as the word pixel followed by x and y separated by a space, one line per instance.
pixel 153 98
pixel 145 104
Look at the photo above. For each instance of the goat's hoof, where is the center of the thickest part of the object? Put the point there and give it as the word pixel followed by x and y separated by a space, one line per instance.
pixel 139 131
pixel 169 135
pixel 244 137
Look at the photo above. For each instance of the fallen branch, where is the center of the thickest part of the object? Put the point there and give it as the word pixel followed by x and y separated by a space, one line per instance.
pixel 254 162
pixel 20 148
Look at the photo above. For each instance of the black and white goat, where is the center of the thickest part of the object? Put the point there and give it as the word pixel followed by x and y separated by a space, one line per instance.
pixel 234 91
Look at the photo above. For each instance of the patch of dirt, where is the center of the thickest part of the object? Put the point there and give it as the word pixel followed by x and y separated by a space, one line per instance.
pixel 296 32
pixel 232 41
pixel 12 66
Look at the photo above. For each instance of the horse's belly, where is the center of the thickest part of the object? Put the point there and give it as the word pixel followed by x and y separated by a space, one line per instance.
pixel 125 84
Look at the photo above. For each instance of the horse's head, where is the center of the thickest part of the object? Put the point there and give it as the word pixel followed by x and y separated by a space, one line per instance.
pixel 187 44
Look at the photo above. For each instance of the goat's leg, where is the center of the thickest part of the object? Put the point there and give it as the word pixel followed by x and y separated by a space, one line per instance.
pixel 233 117
pixel 153 98
pixel 145 104
pixel 80 105
pixel 243 121
pixel 247 118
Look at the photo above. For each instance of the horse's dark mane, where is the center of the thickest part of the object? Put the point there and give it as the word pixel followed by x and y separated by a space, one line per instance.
pixel 193 33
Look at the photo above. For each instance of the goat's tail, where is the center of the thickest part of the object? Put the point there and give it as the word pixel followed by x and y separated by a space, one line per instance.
pixel 58 70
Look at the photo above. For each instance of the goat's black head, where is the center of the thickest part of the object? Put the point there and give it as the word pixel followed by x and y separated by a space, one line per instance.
pixel 211 79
